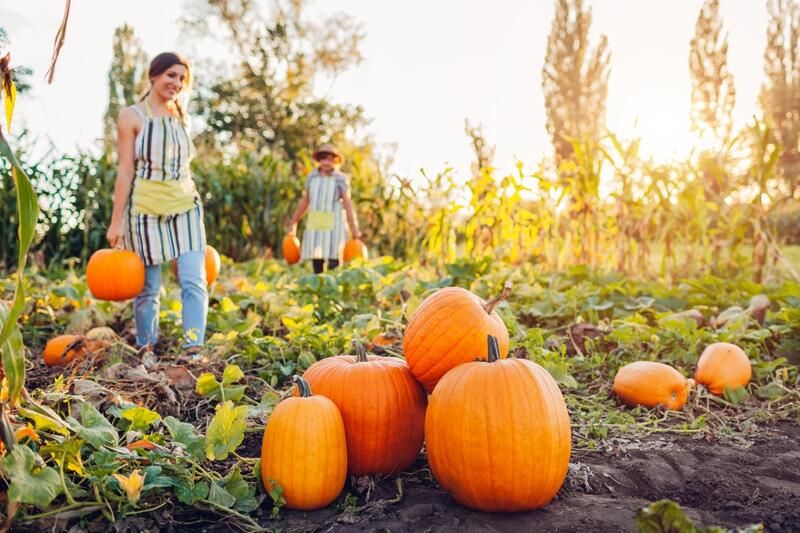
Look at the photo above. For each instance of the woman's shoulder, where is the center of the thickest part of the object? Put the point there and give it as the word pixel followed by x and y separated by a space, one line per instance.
pixel 131 114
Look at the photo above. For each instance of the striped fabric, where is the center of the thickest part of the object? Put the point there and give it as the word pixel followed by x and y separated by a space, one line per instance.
pixel 163 151
pixel 325 194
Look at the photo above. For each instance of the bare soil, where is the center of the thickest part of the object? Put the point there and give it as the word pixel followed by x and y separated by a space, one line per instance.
pixel 716 484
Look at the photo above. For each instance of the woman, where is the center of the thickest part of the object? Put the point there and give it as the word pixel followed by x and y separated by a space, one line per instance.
pixel 157 210
pixel 326 193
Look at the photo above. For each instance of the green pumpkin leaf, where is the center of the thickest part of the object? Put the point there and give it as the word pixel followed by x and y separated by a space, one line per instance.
pixel 220 496
pixel 13 355
pixel 664 515
pixel 94 428
pixel 189 494
pixel 29 480
pixel 770 392
pixel 244 492
pixel 186 434
pixel 226 430
pixel 140 418
pixel 735 395
pixel 208 386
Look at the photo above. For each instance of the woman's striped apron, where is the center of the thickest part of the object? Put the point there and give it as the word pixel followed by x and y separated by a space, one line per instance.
pixel 162 152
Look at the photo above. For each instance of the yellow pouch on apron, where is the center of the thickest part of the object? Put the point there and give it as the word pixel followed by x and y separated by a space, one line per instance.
pixel 320 221
pixel 162 198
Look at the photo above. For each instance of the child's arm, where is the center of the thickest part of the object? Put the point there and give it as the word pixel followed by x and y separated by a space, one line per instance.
pixel 352 220
pixel 299 213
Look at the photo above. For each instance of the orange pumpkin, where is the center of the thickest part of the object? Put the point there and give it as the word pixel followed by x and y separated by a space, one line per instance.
pixel 115 275
pixel 721 365
pixel 498 434
pixel 63 349
pixel 650 384
pixel 213 265
pixel 304 450
pixel 353 248
pixel 382 405
pixel 291 249
pixel 450 328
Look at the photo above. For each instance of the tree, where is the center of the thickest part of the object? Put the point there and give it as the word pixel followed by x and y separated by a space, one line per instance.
pixel 713 92
pixel 265 102
pixel 780 94
pixel 127 78
pixel 574 78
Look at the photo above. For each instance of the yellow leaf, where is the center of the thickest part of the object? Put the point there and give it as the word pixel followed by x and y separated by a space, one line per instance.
pixel 228 306
pixel 10 100
pixel 261 287
pixel 289 323
pixel 175 305
pixel 217 337
pixel 307 309
pixel 231 335
pixel 132 485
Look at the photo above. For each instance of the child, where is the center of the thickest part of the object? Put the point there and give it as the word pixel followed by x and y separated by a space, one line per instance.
pixel 326 193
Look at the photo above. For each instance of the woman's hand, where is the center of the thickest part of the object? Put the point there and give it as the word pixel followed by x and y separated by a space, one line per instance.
pixel 115 234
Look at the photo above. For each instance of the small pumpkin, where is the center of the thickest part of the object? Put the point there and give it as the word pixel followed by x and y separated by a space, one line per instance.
pixel 649 383
pixel 304 450
pixel 291 249
pixel 213 265
pixel 115 275
pixel 353 248
pixel 382 405
pixel 62 349
pixel 721 365
pixel 498 434
pixel 450 328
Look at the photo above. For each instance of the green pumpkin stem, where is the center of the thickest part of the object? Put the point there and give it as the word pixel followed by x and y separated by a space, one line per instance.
pixel 302 386
pixel 494 302
pixel 361 352
pixel 494 349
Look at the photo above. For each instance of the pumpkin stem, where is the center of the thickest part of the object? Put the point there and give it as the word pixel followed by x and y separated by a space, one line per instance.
pixel 361 352
pixel 494 302
pixel 302 386
pixel 494 349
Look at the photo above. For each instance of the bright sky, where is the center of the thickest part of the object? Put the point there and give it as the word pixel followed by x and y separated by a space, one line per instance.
pixel 428 66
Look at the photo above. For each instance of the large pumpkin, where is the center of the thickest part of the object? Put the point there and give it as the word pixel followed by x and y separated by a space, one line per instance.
pixel 115 274
pixel 382 405
pixel 721 365
pixel 213 265
pixel 62 349
pixel 291 249
pixel 353 248
pixel 650 384
pixel 450 328
pixel 304 450
pixel 498 434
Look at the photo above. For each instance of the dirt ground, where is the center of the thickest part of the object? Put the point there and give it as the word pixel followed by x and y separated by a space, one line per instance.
pixel 716 484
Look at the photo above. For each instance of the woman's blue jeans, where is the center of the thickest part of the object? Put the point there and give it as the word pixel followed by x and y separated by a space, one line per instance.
pixel 194 301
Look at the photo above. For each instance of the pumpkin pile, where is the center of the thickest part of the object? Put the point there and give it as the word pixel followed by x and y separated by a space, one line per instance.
pixel 497 429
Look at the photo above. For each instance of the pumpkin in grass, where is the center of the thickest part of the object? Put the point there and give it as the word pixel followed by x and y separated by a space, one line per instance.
pixel 650 384
pixel 721 365
pixel 353 248
pixel 382 405
pixel 304 450
pixel 115 275
pixel 291 249
pixel 213 265
pixel 498 434
pixel 450 328
pixel 63 349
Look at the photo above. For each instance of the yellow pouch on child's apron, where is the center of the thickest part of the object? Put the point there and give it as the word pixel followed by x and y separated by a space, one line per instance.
pixel 320 221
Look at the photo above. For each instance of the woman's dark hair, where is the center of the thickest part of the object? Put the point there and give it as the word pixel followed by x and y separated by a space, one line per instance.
pixel 160 64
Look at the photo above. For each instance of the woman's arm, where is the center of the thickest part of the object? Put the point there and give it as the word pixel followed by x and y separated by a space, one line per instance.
pixel 352 220
pixel 126 134
pixel 299 213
